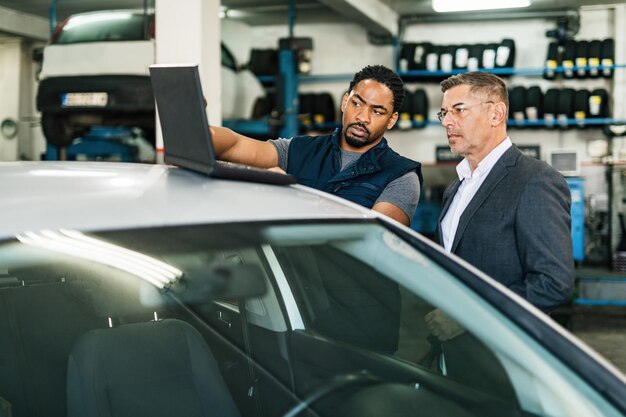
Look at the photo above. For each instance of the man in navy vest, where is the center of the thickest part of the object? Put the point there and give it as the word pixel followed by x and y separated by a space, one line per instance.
pixel 354 162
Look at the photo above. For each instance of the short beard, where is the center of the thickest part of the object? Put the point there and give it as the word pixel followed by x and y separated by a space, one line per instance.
pixel 355 142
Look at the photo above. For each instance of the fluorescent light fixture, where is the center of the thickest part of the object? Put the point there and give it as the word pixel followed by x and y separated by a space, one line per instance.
pixel 226 13
pixel 443 6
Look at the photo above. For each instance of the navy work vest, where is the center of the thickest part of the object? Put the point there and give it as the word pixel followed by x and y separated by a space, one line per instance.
pixel 316 162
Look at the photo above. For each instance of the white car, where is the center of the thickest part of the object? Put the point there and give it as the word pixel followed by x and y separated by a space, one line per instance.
pixel 95 72
pixel 150 290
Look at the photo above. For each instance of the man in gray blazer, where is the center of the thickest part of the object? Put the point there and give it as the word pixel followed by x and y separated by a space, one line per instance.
pixel 507 214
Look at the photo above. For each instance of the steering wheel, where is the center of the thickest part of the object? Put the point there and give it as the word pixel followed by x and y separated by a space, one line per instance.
pixel 340 381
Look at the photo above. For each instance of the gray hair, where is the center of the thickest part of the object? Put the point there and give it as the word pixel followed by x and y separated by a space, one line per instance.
pixel 479 82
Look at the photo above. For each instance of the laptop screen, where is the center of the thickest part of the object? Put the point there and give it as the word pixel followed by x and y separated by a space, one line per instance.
pixel 184 123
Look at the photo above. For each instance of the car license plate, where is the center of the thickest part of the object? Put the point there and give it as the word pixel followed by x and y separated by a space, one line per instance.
pixel 84 99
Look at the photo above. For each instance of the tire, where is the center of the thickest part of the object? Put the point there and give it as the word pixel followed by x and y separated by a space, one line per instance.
pixel 57 130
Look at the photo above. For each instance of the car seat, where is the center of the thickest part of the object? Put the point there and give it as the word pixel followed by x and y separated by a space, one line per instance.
pixel 157 368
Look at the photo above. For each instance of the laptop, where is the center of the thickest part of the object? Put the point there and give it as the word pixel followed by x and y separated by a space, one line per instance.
pixel 186 135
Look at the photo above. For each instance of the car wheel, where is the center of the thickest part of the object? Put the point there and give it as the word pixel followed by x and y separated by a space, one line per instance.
pixel 57 130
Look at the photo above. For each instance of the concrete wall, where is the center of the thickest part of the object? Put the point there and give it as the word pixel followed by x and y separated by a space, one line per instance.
pixel 18 83
pixel 10 68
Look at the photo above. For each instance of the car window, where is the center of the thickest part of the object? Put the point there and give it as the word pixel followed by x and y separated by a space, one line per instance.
pixel 346 299
pixel 103 27
pixel 338 301
pixel 365 287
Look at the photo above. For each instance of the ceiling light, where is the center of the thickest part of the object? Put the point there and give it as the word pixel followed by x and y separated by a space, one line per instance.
pixel 464 5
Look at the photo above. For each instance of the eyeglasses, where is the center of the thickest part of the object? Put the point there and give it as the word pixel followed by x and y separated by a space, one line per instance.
pixel 458 110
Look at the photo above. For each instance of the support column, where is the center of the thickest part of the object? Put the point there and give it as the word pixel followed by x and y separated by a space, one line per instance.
pixel 188 31
pixel 10 68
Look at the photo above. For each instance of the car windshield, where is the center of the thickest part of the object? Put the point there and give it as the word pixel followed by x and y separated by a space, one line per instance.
pixel 254 319
pixel 103 27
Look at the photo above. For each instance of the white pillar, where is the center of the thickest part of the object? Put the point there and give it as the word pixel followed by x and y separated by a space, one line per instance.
pixel 188 31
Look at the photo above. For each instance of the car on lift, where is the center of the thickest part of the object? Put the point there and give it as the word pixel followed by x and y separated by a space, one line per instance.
pixel 95 73
pixel 151 290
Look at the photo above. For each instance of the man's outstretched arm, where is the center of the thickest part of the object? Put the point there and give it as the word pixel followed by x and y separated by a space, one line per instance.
pixel 393 211
pixel 234 147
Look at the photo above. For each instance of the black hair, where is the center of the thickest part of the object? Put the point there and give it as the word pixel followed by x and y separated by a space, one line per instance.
pixel 384 76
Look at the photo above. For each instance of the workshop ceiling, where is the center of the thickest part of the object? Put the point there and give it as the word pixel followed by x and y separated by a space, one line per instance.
pixel 264 12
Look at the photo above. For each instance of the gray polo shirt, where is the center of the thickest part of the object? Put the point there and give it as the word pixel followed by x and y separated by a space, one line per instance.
pixel 403 192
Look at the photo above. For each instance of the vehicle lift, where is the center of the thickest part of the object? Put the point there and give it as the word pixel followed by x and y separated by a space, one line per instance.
pixel 101 142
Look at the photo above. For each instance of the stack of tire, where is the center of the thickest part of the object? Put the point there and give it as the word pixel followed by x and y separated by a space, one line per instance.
pixel 263 62
pixel 425 56
pixel 265 106
pixel 414 110
pixel 317 111
pixel 580 59
pixel 556 106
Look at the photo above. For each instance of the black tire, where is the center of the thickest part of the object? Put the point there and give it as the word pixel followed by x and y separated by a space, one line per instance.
pixel 57 130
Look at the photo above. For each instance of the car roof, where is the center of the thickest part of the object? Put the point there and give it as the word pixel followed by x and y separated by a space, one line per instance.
pixel 108 195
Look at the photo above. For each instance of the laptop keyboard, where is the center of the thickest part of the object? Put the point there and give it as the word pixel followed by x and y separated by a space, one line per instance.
pixel 233 170
pixel 235 165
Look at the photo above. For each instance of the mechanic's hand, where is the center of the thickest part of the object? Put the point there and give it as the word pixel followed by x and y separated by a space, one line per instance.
pixel 442 326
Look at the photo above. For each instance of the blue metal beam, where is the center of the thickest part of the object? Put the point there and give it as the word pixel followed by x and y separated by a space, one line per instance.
pixel 53 16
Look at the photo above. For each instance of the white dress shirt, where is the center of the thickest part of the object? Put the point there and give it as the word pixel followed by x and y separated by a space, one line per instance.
pixel 470 183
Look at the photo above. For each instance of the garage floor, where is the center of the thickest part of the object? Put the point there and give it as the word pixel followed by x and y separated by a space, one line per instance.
pixel 604 329
pixel 602 326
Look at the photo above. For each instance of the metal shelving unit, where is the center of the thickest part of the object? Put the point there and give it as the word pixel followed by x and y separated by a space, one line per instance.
pixel 534 71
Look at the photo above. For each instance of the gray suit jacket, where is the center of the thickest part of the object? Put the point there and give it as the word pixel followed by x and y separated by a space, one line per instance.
pixel 517 229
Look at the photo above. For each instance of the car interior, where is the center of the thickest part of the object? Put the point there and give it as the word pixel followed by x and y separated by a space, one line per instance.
pixel 223 320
